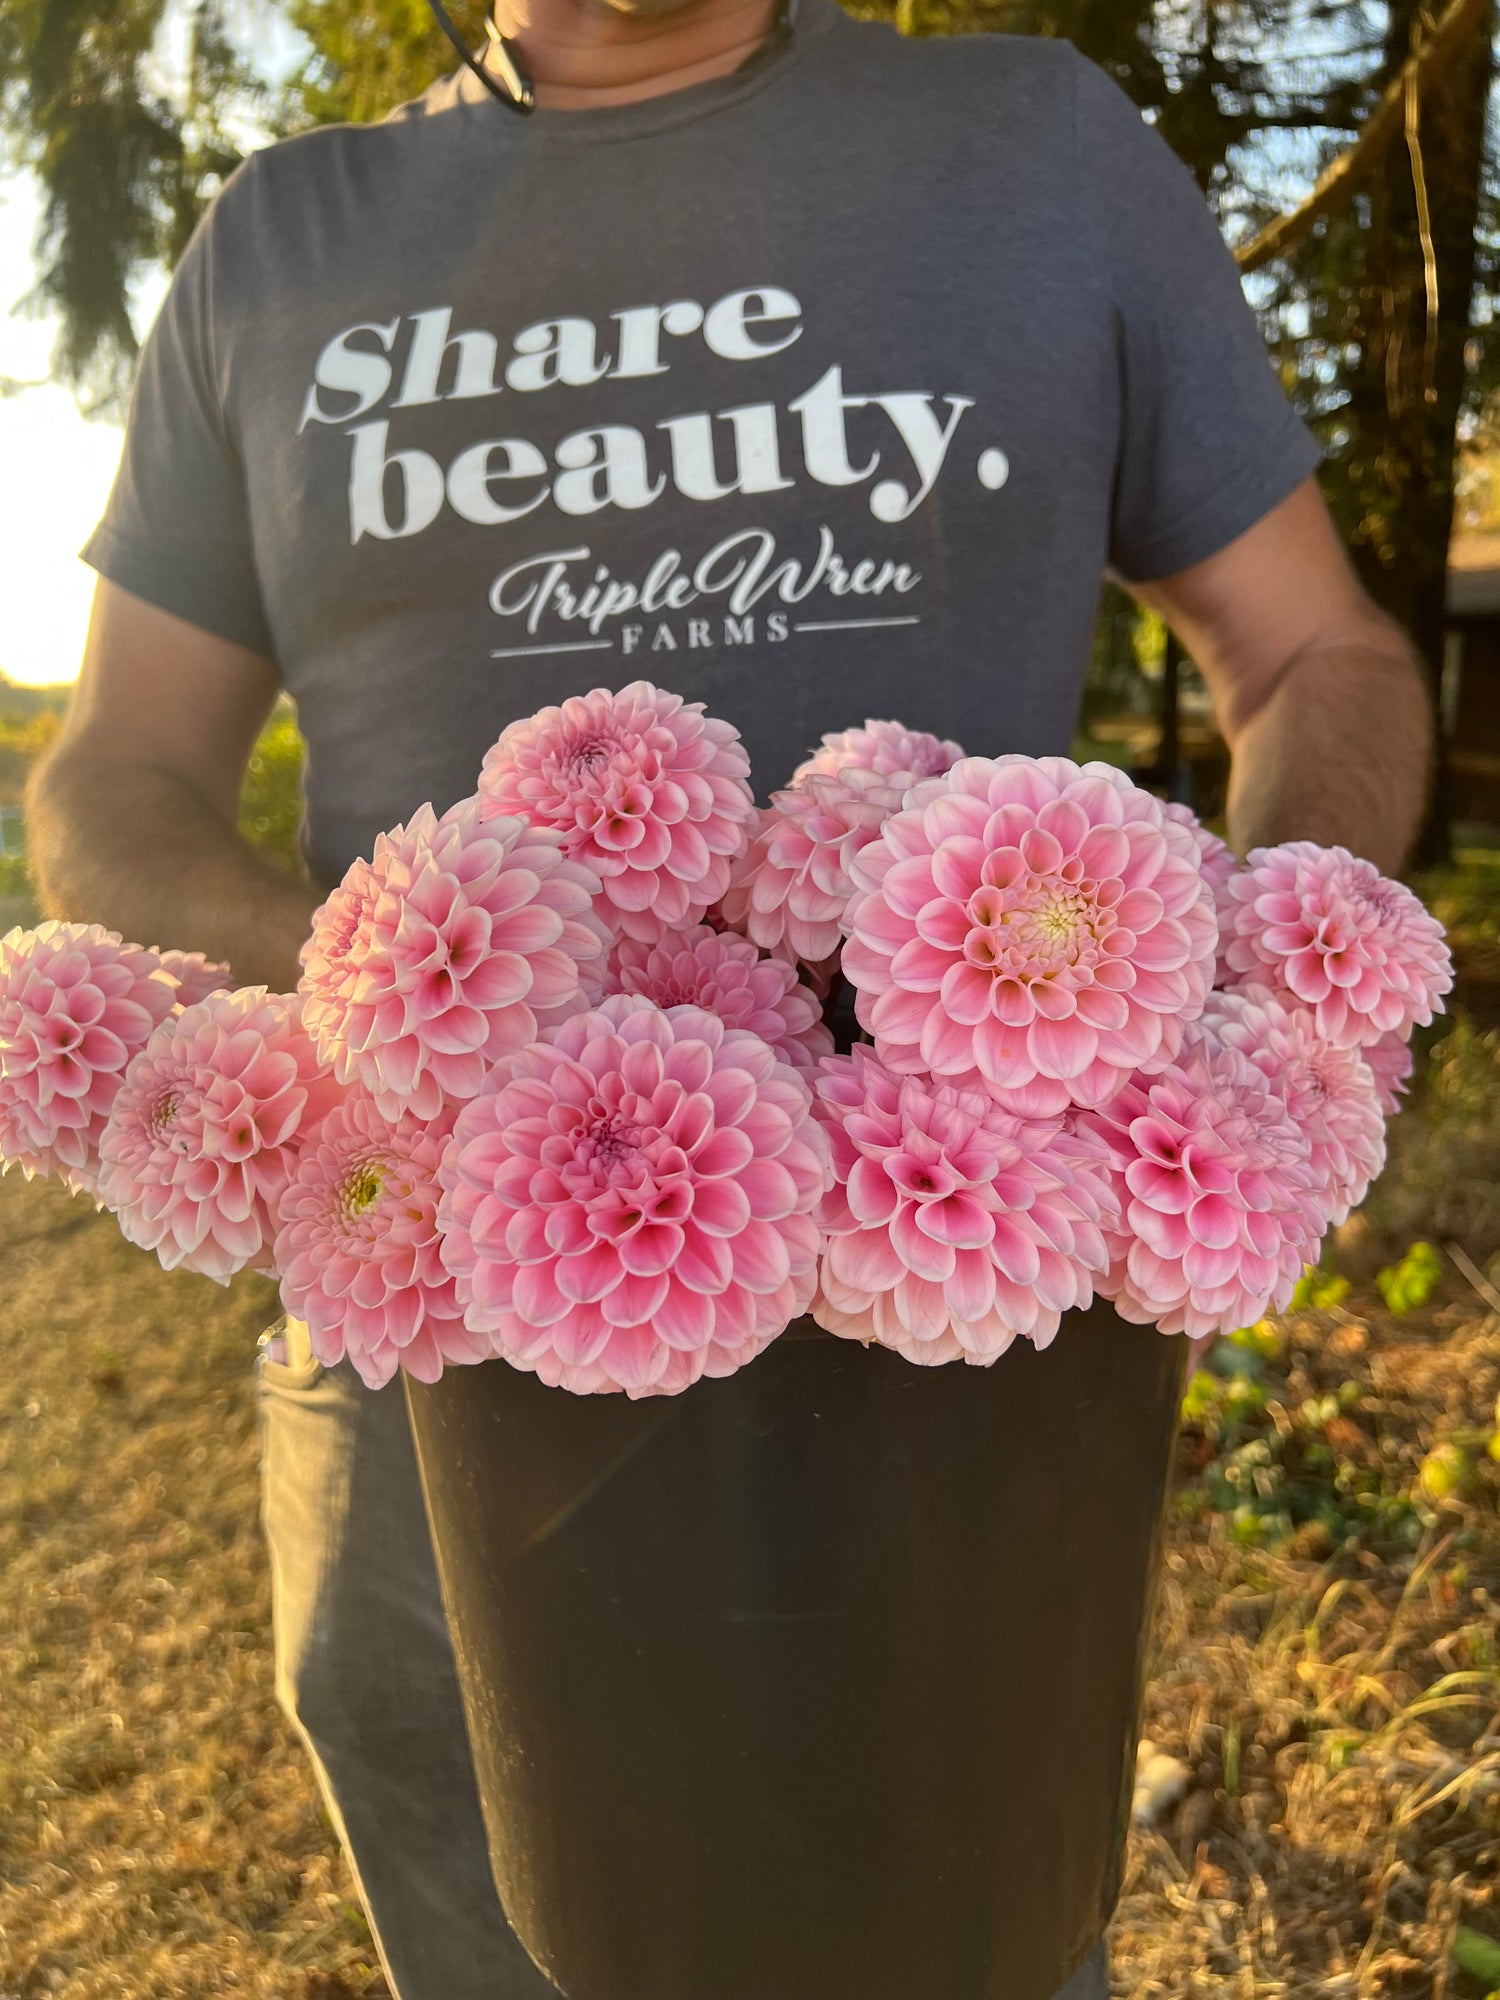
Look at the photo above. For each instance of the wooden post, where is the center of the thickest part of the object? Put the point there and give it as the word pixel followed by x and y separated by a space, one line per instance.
pixel 1169 753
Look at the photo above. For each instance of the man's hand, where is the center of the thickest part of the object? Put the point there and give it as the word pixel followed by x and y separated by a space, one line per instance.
pixel 132 818
pixel 1320 696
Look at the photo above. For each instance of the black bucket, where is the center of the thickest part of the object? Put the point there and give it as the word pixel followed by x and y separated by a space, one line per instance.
pixel 819 1683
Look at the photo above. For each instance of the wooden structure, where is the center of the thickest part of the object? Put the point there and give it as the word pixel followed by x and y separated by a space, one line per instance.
pixel 1471 681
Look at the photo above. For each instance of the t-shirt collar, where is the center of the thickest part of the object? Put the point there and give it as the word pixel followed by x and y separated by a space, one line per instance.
pixel 803 22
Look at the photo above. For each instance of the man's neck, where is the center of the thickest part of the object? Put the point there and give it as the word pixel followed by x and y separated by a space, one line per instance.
pixel 581 53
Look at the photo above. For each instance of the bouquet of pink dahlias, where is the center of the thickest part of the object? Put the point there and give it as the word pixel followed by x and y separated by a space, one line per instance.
pixel 559 1087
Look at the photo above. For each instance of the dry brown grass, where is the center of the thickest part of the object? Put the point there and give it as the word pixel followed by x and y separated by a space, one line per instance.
pixel 1339 1708
pixel 1340 1711
pixel 158 1833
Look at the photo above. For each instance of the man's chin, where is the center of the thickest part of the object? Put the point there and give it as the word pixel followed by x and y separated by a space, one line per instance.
pixel 649 10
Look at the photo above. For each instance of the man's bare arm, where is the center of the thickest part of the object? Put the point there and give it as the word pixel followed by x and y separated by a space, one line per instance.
pixel 1320 696
pixel 132 817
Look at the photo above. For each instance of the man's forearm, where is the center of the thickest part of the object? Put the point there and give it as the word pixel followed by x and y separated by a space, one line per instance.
pixel 1340 754
pixel 138 850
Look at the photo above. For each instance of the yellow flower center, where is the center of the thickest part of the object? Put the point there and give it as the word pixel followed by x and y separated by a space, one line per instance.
pixel 1057 919
pixel 362 1190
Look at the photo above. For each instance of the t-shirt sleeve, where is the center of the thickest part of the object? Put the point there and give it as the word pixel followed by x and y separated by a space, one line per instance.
pixel 1209 443
pixel 176 530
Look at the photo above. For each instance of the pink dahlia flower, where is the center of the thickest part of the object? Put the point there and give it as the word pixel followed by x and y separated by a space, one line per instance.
pixel 1218 858
pixel 357 1246
pixel 205 1128
pixel 1329 1091
pixel 76 1003
pixel 726 976
pixel 1031 928
pixel 886 749
pixel 1320 929
pixel 450 948
pixel 1391 1065
pixel 790 892
pixel 644 788
pixel 1222 1208
pixel 952 1227
pixel 197 977
pixel 629 1203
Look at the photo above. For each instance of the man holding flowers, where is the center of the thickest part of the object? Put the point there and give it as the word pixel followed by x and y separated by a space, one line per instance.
pixel 813 373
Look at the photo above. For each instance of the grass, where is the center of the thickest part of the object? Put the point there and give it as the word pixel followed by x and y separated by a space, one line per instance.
pixel 158 1832
pixel 1335 1696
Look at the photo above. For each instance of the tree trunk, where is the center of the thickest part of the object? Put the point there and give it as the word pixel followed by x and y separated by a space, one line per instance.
pixel 1408 388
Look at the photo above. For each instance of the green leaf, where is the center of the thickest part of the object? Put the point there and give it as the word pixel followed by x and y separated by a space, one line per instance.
pixel 1445 1471
pixel 1319 1290
pixel 1201 1398
pixel 1477 1955
pixel 1407 1287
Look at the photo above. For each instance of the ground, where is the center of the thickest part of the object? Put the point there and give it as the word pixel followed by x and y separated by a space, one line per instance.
pixel 1326 1669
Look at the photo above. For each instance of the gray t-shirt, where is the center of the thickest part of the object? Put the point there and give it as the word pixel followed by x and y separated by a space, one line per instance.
pixel 824 390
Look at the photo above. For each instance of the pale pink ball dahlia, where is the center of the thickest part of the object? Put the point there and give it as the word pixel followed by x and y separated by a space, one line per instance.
pixel 1324 930
pixel 888 749
pixel 76 1003
pixel 728 977
pixel 205 1129
pixel 357 1246
pixel 197 977
pixel 1217 856
pixel 790 891
pixel 645 789
pixel 452 946
pixel 1222 1209
pixel 1392 1065
pixel 1032 928
pixel 1329 1091
pixel 629 1203
pixel 952 1227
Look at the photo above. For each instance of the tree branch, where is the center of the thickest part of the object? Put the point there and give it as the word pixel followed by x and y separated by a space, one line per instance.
pixel 1349 172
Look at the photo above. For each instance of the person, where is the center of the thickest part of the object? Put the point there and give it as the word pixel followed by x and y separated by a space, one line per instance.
pixel 811 372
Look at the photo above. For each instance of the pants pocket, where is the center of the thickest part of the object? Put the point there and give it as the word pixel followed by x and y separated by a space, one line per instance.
pixel 286 1359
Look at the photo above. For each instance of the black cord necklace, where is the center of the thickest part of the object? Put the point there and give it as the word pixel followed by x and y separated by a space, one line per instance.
pixel 513 87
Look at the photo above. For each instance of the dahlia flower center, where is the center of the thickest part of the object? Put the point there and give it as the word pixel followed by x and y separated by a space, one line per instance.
pixel 922 1180
pixel 341 930
pixel 163 1111
pixel 1380 901
pixel 687 992
pixel 589 753
pixel 609 1153
pixel 361 1188
pixel 1038 928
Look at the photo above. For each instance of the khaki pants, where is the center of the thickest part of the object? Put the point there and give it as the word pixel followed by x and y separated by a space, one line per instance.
pixel 365 1670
